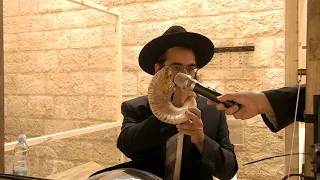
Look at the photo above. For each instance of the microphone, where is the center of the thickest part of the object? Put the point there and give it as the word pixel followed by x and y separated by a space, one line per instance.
pixel 185 82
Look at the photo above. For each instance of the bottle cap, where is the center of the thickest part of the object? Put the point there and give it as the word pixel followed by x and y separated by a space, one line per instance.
pixel 22 138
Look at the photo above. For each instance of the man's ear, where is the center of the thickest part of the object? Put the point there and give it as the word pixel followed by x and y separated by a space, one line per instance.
pixel 157 67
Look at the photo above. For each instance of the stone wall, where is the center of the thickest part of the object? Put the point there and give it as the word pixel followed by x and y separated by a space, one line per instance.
pixel 60 72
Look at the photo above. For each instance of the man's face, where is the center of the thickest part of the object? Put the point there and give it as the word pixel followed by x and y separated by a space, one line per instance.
pixel 180 60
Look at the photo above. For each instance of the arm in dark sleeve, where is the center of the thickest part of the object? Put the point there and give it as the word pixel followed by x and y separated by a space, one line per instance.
pixel 139 135
pixel 283 102
pixel 218 156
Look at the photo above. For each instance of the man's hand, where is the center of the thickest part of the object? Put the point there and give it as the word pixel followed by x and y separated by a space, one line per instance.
pixel 180 96
pixel 193 127
pixel 251 103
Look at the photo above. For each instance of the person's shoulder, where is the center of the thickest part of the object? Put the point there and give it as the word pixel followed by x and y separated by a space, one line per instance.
pixel 138 101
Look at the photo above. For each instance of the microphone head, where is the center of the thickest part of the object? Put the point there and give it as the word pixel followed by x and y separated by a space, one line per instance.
pixel 181 80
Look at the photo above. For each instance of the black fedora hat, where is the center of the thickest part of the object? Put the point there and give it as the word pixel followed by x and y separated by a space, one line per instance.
pixel 176 36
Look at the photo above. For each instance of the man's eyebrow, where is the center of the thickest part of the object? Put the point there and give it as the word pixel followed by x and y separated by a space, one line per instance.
pixel 190 65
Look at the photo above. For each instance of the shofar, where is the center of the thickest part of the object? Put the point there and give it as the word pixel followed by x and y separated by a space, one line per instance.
pixel 160 91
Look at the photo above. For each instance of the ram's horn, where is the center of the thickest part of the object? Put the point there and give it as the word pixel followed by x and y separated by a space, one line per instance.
pixel 160 91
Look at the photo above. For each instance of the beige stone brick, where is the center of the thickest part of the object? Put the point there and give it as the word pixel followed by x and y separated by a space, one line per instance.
pixel 144 80
pixel 121 2
pixel 103 152
pixel 66 84
pixel 49 6
pixel 101 59
pixel 264 53
pixel 279 52
pixel 10 43
pixel 29 7
pixel 260 24
pixel 24 84
pixel 178 9
pixel 130 56
pixel 83 38
pixel 255 138
pixel 129 83
pixel 217 26
pixel 30 127
pixel 12 128
pixel 274 78
pixel 10 8
pixel 73 60
pixel 50 22
pixel 40 106
pixel 74 107
pixel 102 108
pixel 108 135
pixel 215 84
pixel 56 39
pixel 74 150
pixel 261 5
pixel 111 83
pixel 221 74
pixel 236 130
pixel 96 84
pixel 53 126
pixel 30 41
pixel 109 36
pixel 275 142
pixel 22 24
pixel 256 121
pixel 29 62
pixel 243 85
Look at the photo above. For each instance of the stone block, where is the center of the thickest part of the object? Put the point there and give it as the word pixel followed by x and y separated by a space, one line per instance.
pixel 275 142
pixel 261 5
pixel 102 108
pixel 50 6
pixel 110 83
pixel 109 36
pixel 40 106
pixel 29 7
pixel 279 52
pixel 10 43
pixel 30 41
pixel 256 122
pixel 215 84
pixel 96 84
pixel 73 60
pixel 10 8
pixel 71 107
pixel 144 80
pixel 17 106
pixel 101 59
pixel 130 56
pixel 30 62
pixel 218 26
pixel 243 85
pixel 274 78
pixel 29 84
pixel 106 153
pixel 84 38
pixel 254 139
pixel 56 39
pixel 268 23
pixel 129 83
pixel 22 24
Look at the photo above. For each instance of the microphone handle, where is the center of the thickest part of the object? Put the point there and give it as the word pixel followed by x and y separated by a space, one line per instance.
pixel 212 95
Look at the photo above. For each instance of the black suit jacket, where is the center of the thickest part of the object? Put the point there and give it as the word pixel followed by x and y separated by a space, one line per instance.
pixel 283 102
pixel 143 139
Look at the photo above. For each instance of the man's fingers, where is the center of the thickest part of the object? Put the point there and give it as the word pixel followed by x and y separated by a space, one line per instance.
pixel 220 107
pixel 195 111
pixel 231 110
pixel 240 113
pixel 227 97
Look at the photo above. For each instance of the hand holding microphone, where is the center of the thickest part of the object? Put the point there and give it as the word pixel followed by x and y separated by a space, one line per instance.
pixel 242 105
pixel 185 81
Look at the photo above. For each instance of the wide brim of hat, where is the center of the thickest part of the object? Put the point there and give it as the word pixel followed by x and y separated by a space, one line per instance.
pixel 201 45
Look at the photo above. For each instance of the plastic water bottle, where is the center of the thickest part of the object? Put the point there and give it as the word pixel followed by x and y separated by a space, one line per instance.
pixel 20 163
